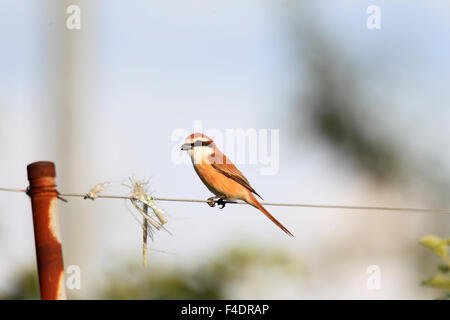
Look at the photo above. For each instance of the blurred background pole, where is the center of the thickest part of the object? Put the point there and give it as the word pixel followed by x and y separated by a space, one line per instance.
pixel 43 194
pixel 71 105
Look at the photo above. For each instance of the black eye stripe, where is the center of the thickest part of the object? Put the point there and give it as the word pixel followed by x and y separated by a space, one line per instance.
pixel 200 143
pixel 206 143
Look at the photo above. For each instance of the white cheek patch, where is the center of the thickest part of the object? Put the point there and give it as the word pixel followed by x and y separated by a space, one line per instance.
pixel 200 154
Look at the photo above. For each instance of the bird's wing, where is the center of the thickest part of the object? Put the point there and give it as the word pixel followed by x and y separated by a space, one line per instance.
pixel 222 164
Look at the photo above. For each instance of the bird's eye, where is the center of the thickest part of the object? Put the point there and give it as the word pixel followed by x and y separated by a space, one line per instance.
pixel 206 143
pixel 197 143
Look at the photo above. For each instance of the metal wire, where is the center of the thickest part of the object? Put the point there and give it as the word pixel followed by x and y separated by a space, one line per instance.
pixel 13 190
pixel 301 205
pixel 298 205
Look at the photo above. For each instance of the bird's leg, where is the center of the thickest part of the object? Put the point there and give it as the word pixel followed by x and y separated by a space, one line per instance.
pixel 223 201
pixel 212 201
pixel 220 201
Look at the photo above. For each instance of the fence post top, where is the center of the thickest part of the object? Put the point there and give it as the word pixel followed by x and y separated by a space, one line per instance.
pixel 41 169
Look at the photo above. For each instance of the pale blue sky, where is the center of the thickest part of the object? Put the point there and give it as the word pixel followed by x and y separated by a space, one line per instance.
pixel 150 67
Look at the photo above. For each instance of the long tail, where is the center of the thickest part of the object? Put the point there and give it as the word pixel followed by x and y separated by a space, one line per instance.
pixel 257 205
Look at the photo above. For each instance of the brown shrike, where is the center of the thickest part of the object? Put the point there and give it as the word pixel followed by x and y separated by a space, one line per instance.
pixel 221 176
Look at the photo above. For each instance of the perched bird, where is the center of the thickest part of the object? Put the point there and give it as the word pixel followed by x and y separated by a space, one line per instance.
pixel 221 176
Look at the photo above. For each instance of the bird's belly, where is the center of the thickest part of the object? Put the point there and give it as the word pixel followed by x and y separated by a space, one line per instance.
pixel 219 184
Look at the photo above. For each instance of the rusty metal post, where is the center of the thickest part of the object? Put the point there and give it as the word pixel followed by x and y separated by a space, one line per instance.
pixel 43 194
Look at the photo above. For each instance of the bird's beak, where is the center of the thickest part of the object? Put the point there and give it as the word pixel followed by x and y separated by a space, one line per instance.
pixel 186 146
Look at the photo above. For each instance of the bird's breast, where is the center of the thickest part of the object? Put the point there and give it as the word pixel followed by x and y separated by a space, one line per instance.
pixel 218 183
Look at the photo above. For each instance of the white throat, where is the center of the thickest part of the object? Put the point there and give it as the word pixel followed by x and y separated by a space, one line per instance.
pixel 200 154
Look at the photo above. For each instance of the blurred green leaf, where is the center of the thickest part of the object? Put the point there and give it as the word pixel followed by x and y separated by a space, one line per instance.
pixel 444 268
pixel 438 281
pixel 26 287
pixel 437 245
pixel 208 280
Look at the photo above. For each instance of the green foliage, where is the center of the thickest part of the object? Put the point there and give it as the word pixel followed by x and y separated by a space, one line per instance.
pixel 333 103
pixel 205 281
pixel 25 288
pixel 443 268
pixel 440 247
pixel 438 281
pixel 338 123
pixel 209 280
pixel 437 245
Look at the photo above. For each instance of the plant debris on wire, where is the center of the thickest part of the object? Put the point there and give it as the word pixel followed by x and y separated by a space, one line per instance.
pixel 142 201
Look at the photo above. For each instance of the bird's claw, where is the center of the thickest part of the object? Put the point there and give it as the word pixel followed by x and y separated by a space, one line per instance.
pixel 211 202
pixel 221 203
pixel 215 200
